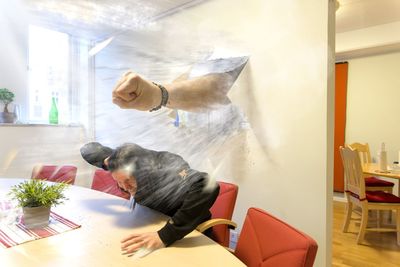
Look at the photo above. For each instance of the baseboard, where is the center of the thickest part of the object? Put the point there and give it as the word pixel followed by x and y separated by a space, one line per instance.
pixel 337 196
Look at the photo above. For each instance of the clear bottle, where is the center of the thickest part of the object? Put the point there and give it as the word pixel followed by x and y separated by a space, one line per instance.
pixel 53 114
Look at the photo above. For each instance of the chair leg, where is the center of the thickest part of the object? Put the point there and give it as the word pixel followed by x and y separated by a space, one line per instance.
pixel 379 214
pixel 363 225
pixel 349 210
pixel 398 226
pixel 390 211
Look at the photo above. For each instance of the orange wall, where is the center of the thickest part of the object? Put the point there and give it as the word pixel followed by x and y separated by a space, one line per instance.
pixel 340 123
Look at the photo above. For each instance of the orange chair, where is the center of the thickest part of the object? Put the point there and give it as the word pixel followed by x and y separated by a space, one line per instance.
pixel 55 173
pixel 269 242
pixel 104 182
pixel 221 214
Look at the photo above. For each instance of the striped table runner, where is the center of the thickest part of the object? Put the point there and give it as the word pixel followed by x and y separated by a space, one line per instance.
pixel 15 234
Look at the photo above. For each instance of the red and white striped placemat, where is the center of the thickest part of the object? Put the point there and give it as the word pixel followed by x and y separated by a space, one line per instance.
pixel 17 233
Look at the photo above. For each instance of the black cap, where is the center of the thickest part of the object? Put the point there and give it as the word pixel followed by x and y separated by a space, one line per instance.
pixel 95 154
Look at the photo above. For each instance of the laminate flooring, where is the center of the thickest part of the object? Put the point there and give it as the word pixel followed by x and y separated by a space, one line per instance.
pixel 380 249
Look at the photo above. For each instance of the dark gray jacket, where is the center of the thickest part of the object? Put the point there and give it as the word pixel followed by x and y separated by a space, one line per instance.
pixel 166 184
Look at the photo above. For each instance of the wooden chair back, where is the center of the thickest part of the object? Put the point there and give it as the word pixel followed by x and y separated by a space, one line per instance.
pixel 363 150
pixel 353 174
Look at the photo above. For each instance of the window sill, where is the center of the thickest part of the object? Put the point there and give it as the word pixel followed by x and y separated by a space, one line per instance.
pixel 39 125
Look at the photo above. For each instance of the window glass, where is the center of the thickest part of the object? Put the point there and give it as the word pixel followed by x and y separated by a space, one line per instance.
pixel 49 74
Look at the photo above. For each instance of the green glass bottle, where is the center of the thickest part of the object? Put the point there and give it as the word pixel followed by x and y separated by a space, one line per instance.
pixel 53 114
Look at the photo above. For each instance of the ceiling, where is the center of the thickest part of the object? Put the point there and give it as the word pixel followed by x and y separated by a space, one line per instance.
pixel 102 17
pixel 98 19
pixel 357 14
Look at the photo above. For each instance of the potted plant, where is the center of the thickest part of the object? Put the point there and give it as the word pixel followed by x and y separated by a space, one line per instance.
pixel 36 197
pixel 6 97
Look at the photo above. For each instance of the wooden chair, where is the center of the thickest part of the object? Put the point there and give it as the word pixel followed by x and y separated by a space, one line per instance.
pixel 53 173
pixel 269 242
pixel 365 200
pixel 221 212
pixel 104 182
pixel 371 183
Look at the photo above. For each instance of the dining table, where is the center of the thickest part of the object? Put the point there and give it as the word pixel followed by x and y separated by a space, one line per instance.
pixel 104 221
pixel 372 169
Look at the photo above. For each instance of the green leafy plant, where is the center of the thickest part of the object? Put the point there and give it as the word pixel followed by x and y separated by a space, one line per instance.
pixel 36 193
pixel 6 96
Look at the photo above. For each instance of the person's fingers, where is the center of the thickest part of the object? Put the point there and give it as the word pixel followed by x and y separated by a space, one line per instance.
pixel 127 73
pixel 119 102
pixel 121 81
pixel 132 249
pixel 126 91
pixel 129 237
pixel 124 104
pixel 130 242
pixel 128 83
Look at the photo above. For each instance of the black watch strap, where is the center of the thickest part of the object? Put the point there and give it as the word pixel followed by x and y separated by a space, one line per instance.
pixel 164 97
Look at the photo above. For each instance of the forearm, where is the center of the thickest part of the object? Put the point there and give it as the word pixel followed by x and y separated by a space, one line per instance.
pixel 199 93
pixel 196 94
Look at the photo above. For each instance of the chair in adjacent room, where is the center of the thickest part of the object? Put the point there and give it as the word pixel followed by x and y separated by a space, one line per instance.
pixel 371 183
pixel 104 182
pixel 269 242
pixel 221 214
pixel 54 173
pixel 357 195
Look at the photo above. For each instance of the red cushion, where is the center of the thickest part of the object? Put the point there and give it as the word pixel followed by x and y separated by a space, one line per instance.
pixel 373 181
pixel 380 196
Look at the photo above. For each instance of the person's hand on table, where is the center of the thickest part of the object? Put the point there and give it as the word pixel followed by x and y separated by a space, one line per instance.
pixel 135 242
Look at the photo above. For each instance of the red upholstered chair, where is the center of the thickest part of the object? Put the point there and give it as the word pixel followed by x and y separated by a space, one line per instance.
pixel 366 200
pixel 55 173
pixel 221 214
pixel 269 242
pixel 104 182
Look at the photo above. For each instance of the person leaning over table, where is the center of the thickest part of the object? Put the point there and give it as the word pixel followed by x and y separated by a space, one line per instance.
pixel 162 181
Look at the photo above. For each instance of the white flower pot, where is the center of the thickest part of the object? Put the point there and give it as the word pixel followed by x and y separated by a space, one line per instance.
pixel 36 217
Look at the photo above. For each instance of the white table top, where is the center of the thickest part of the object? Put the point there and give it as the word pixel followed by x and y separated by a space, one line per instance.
pixel 105 220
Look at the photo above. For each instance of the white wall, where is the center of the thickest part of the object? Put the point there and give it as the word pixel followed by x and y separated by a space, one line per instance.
pixel 283 162
pixel 373 94
pixel 13 53
pixel 24 146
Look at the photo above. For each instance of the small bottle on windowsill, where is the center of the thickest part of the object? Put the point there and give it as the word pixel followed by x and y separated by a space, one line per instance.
pixel 53 114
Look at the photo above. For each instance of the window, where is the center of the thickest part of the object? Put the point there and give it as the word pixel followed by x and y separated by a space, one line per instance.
pixel 57 65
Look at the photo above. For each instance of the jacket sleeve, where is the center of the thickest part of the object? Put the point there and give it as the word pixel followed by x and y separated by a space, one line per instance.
pixel 194 210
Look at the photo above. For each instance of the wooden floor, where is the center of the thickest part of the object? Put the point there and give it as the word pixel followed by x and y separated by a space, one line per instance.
pixel 379 249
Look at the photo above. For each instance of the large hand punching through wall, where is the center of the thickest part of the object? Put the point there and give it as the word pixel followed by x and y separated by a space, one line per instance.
pixel 204 87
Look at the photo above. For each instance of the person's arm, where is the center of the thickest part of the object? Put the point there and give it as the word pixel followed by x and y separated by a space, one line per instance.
pixel 196 94
pixel 194 210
